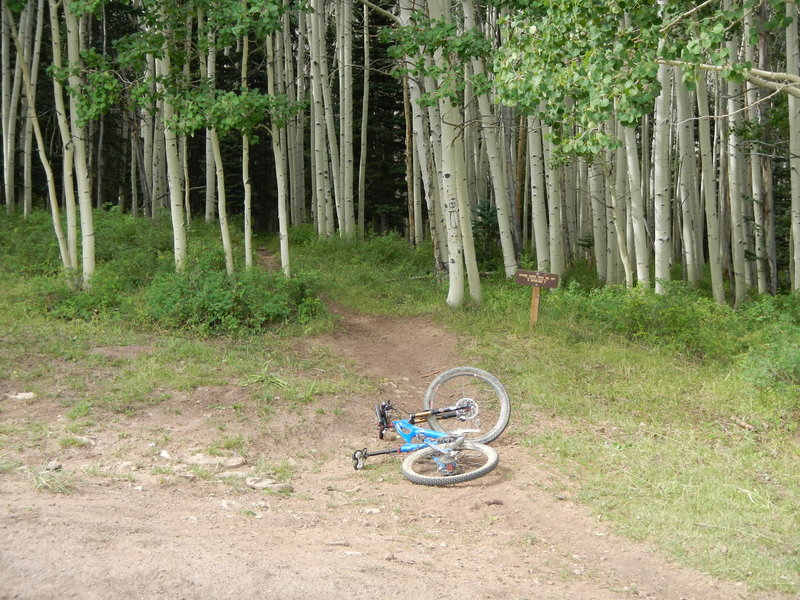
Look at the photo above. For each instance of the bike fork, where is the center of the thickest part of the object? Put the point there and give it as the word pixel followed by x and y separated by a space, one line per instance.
pixel 359 456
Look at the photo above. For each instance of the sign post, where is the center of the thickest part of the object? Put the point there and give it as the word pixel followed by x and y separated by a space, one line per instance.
pixel 537 280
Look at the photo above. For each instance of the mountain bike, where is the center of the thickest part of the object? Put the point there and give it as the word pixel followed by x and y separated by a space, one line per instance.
pixel 465 408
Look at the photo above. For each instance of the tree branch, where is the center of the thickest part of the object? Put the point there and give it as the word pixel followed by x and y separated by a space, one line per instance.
pixel 381 11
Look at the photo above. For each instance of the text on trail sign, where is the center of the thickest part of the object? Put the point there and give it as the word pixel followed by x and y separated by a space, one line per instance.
pixel 536 279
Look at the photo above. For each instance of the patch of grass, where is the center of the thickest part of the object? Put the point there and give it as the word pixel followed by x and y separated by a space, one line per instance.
pixel 8 465
pixel 228 445
pixel 281 471
pixel 80 410
pixel 71 441
pixel 55 482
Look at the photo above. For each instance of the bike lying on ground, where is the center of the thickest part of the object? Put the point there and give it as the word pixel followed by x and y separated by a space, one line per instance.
pixel 465 408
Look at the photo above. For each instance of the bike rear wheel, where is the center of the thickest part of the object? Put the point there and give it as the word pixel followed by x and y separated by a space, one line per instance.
pixel 430 466
pixel 469 383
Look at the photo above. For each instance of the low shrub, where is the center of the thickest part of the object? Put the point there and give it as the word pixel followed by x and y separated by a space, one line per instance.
pixel 214 302
pixel 681 318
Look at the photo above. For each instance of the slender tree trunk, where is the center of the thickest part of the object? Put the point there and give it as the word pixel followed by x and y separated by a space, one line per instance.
pixel 708 182
pixel 36 41
pixel 662 182
pixel 40 142
pixel 346 113
pixel 174 170
pixel 362 159
pixel 488 130
pixel 450 119
pixel 80 148
pixel 793 68
pixel 541 235
pixel 11 102
pixel 599 232
pixel 281 168
pixel 687 179
pixel 555 207
pixel 246 182
pixel 637 208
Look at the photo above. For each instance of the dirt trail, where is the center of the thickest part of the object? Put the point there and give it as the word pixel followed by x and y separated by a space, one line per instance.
pixel 138 529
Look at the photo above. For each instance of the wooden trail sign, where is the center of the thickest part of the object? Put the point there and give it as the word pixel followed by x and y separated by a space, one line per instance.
pixel 537 280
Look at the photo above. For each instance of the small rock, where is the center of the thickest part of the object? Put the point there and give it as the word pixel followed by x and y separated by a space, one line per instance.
pixel 53 465
pixel 232 475
pixel 372 511
pixel 259 483
pixel 262 506
pixel 21 396
pixel 165 455
pixel 337 543
pixel 204 460
pixel 390 556
pixel 281 487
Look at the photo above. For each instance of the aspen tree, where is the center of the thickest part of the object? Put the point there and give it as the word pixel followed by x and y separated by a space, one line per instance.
pixel 662 239
pixel 793 68
pixel 554 206
pixel 295 89
pixel 35 43
pixel 637 207
pixel 281 167
pixel 541 235
pixel 346 113
pixel 69 267
pixel 78 141
pixel 599 231
pixel 247 184
pixel 11 101
pixel 488 132
pixel 756 182
pixel 686 177
pixel 709 193
pixel 736 186
pixel 208 72
pixel 362 159
pixel 67 149
pixel 174 170
pixel 449 119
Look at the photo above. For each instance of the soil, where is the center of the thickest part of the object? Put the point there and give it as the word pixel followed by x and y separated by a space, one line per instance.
pixel 139 524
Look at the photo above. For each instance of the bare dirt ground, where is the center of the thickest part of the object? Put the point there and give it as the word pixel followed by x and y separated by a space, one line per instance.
pixel 138 526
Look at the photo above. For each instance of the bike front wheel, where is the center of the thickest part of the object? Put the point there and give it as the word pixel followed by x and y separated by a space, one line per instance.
pixel 430 466
pixel 469 385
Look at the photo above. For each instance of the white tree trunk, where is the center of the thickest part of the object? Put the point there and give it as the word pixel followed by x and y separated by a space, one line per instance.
pixel 174 170
pixel 80 157
pixel 496 164
pixel 40 142
pixel 793 68
pixel 541 234
pixel 637 208
pixel 687 179
pixel 708 181
pixel 281 168
pixel 362 160
pixel 662 182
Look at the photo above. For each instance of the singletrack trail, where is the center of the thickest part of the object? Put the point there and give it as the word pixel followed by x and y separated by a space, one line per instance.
pixel 137 529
